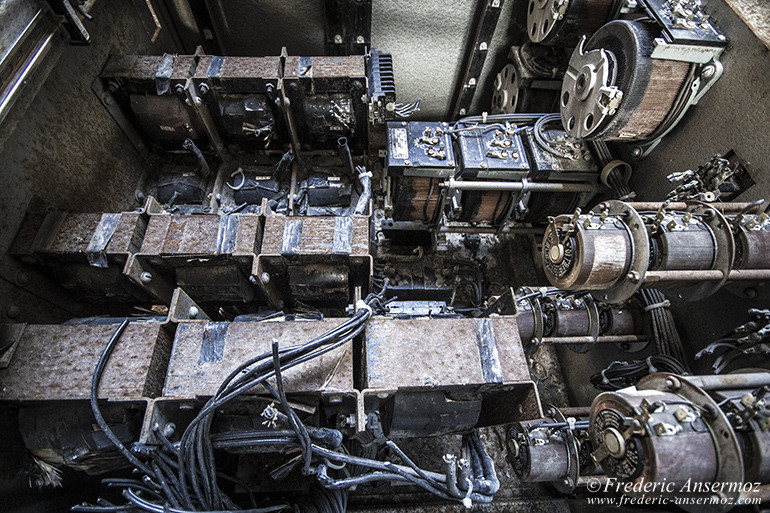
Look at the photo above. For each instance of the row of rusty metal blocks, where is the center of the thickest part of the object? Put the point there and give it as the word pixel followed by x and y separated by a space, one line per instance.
pixel 478 376
pixel 142 256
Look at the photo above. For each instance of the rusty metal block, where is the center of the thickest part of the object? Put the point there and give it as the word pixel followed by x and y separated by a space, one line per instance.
pixel 209 255
pixel 57 362
pixel 138 72
pixel 205 353
pixel 303 256
pixel 434 376
pixel 86 251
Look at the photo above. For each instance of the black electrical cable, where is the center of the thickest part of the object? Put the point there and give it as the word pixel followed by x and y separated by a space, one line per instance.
pixel 182 476
pixel 624 374
pixel 97 377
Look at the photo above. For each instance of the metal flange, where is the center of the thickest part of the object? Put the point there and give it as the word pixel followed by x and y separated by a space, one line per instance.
pixel 542 16
pixel 588 93
pixel 730 468
pixel 640 257
pixel 505 95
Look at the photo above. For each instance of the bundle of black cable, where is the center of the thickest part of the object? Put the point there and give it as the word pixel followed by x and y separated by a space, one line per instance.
pixel 625 374
pixel 664 331
pixel 182 476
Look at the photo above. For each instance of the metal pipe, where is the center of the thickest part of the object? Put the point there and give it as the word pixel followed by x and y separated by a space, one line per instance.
pixel 463 185
pixel 9 96
pixel 345 156
pixel 576 411
pixel 680 205
pixel 749 275
pixel 490 229
pixel 602 339
pixel 731 381
pixel 657 277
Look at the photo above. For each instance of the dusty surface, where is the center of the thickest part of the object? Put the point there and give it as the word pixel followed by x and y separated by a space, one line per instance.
pixel 756 14
pixel 57 363
pixel 198 370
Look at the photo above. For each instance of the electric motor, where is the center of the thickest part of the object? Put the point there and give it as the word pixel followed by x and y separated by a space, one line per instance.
pixel 587 252
pixel 615 250
pixel 681 241
pixel 752 242
pixel 685 430
pixel 530 81
pixel 640 435
pixel 562 22
pixel 557 316
pixel 614 90
pixel 554 449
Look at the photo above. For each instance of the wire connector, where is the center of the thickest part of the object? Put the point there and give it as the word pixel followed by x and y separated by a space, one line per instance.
pixel 361 305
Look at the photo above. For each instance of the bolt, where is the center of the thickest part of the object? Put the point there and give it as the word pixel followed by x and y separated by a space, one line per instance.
pixel 179 88
pixel 471 82
pixel 633 276
pixel 463 111
pixel 360 40
pixel 198 101
pixel 139 196
pixel 12 311
pixel 672 383
pixel 22 278
pixel 721 37
pixel 145 277
pixel 265 277
pixel 337 39
pixel 169 429
pixel 193 312
pixel 483 46
pixel 637 152
pixel 708 71
pixel 750 292
pixel 204 88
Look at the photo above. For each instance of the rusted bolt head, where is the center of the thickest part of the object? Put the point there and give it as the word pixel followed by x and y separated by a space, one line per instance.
pixel 12 311
pixel 672 383
pixel 22 278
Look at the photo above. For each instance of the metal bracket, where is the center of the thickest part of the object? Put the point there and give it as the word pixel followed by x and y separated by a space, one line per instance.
pixel 476 55
pixel 706 77
pixel 109 103
pixel 348 26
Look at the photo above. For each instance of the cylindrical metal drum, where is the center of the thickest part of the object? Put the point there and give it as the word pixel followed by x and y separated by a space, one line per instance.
pixel 563 22
pixel 596 257
pixel 752 248
pixel 674 444
pixel 614 90
pixel 688 247
pixel 536 455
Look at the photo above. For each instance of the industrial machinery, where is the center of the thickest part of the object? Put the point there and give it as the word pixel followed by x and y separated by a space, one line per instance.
pixel 617 248
pixel 530 81
pixel 493 172
pixel 242 273
pixel 632 81
pixel 643 434
pixel 559 317
pixel 555 449
pixel 563 22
